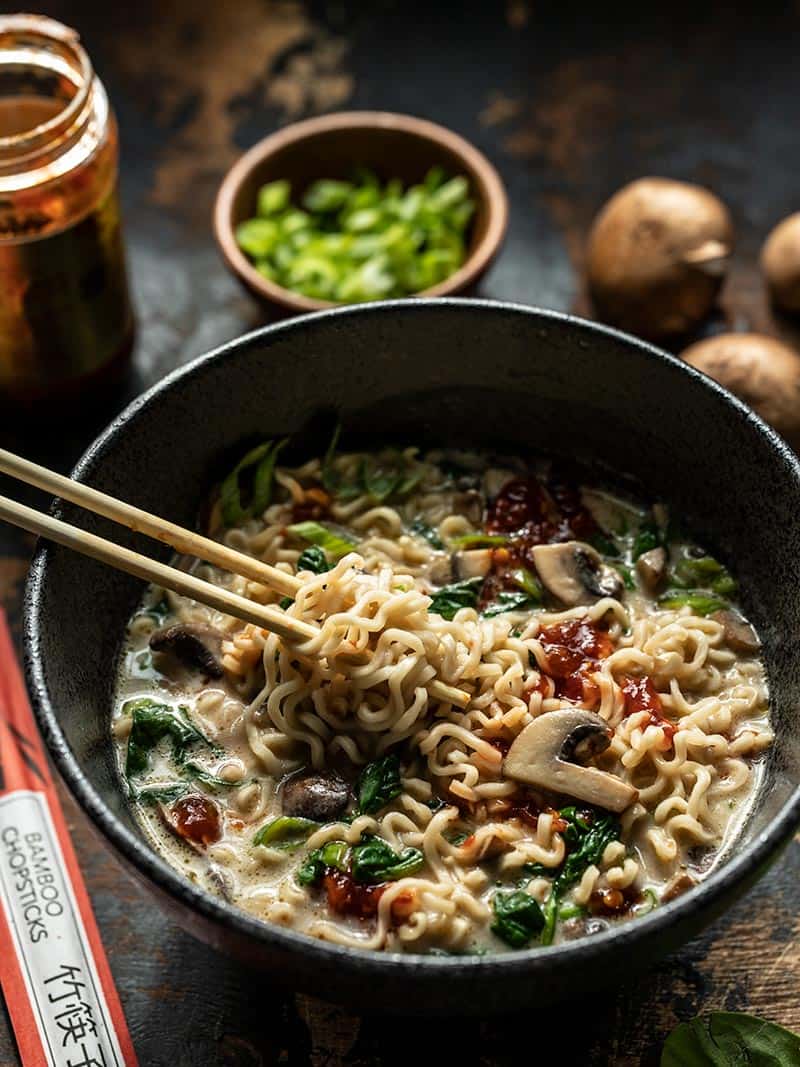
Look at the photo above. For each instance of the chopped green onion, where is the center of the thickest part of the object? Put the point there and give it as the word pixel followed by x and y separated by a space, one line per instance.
pixel 478 540
pixel 317 534
pixel 273 198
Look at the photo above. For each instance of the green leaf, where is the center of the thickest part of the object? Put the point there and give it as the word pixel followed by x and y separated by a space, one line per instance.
pixel 151 722
pixel 518 917
pixel 374 860
pixel 333 854
pixel 206 778
pixel 647 538
pixel 700 603
pixel 586 836
pixel 286 832
pixel 510 600
pixel 261 461
pixel 320 535
pixel 380 480
pixel 379 784
pixel 730 1039
pixel 423 530
pixel 451 598
pixel 160 794
pixel 313 559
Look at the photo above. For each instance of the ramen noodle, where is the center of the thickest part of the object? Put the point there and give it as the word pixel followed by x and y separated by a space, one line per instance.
pixel 322 787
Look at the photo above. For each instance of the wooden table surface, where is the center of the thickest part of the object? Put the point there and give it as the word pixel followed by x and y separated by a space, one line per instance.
pixel 569 104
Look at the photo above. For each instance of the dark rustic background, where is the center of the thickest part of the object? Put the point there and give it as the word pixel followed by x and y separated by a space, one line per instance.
pixel 570 102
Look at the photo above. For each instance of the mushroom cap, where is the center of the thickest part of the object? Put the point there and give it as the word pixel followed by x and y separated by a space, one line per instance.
pixel 540 757
pixel 761 371
pixel 656 256
pixel 574 573
pixel 780 262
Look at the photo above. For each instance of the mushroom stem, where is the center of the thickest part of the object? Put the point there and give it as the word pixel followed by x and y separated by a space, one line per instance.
pixel 537 758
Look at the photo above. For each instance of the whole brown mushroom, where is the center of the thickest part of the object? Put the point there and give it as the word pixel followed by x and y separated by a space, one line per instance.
pixel 763 372
pixel 780 262
pixel 657 256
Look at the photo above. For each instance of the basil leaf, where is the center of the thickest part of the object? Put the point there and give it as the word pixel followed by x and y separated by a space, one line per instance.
pixel 730 1039
pixel 700 603
pixel 451 598
pixel 374 860
pixel 286 832
pixel 333 854
pixel 151 722
pixel 321 536
pixel 262 458
pixel 509 600
pixel 378 784
pixel 421 529
pixel 517 917
pixel 313 559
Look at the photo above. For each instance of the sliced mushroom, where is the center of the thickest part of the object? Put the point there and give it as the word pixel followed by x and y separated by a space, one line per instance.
pixel 196 647
pixel 652 567
pixel 575 573
pixel 739 634
pixel 677 886
pixel 472 563
pixel 316 795
pixel 540 757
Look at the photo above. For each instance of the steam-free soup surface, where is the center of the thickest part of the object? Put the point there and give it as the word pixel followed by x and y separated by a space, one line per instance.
pixel 324 788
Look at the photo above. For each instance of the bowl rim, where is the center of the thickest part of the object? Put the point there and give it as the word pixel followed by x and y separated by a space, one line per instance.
pixel 490 189
pixel 737 867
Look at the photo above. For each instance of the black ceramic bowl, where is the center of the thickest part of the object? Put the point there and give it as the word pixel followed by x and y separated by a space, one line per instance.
pixel 448 371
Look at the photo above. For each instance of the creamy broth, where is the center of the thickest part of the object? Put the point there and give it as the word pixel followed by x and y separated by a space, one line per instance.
pixel 339 798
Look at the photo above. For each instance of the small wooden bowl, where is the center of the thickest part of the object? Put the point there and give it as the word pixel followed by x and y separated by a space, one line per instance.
pixel 394 146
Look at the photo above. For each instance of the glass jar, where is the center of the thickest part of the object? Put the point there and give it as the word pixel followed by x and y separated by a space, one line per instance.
pixel 65 313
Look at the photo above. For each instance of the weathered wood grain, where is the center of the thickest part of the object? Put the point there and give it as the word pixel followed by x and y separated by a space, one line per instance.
pixel 570 108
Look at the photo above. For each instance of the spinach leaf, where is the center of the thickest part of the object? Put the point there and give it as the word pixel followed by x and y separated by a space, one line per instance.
pixel 700 603
pixel 333 854
pixel 374 860
pixel 332 479
pixel 261 461
pixel 324 538
pixel 421 529
pixel 604 544
pixel 286 832
pixel 151 722
pixel 451 598
pixel 730 1039
pixel 285 602
pixel 647 538
pixel 378 784
pixel 313 559
pixel 204 777
pixel 381 480
pixel 586 835
pixel 160 794
pixel 517 917
pixel 510 600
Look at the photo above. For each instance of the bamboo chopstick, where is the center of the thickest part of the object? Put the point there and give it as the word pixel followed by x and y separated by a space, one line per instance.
pixel 184 541
pixel 264 616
